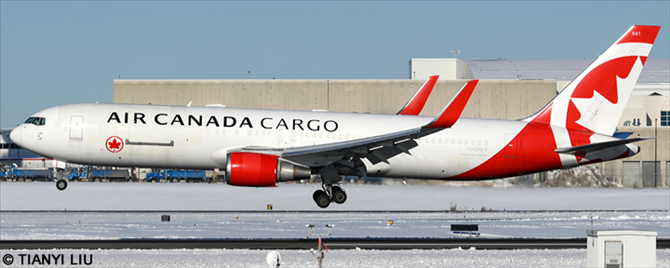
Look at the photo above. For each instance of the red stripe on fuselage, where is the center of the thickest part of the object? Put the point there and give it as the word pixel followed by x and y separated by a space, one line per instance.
pixel 532 150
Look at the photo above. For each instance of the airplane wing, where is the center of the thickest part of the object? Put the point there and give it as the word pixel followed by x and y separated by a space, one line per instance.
pixel 377 148
pixel 416 103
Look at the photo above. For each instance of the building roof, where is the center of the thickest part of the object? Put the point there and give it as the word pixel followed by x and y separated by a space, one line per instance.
pixel 654 71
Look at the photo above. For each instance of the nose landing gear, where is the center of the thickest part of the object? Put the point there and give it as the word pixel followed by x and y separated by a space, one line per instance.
pixel 61 184
pixel 329 194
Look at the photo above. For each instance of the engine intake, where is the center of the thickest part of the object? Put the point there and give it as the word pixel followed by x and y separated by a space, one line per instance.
pixel 261 170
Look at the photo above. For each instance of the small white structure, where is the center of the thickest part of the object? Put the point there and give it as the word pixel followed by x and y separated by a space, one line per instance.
pixel 620 248
pixel 446 68
pixel 273 259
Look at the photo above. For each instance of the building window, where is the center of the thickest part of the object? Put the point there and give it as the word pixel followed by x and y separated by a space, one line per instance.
pixel 665 118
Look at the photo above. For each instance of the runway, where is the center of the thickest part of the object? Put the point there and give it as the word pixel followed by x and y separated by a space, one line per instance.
pixel 112 211
pixel 304 243
pixel 92 225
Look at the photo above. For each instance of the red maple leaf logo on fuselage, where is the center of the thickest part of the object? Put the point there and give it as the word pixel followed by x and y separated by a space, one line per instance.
pixel 114 144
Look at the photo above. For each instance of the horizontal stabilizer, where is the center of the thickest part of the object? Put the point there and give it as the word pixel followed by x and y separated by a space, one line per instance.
pixel 622 135
pixel 598 146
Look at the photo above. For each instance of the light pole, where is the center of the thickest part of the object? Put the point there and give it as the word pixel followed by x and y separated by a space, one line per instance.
pixel 656 152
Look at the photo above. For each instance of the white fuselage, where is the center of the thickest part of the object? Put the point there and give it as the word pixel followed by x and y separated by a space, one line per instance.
pixel 198 137
pixel 186 137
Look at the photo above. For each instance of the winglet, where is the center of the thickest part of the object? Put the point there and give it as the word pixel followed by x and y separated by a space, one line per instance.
pixel 453 110
pixel 416 103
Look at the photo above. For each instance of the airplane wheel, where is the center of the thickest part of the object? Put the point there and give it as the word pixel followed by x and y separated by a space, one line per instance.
pixel 321 198
pixel 339 196
pixel 317 193
pixel 61 185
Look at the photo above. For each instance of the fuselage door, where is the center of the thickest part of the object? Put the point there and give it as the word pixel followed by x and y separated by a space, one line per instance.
pixel 512 145
pixel 76 127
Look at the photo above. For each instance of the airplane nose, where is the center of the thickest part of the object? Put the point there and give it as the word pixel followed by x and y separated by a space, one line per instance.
pixel 15 135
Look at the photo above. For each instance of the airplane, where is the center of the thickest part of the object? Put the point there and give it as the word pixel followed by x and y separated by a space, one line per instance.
pixel 259 148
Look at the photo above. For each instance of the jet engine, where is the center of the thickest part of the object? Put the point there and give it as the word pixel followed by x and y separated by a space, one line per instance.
pixel 261 170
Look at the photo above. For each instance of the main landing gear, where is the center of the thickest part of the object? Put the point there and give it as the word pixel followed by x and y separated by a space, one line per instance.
pixel 329 194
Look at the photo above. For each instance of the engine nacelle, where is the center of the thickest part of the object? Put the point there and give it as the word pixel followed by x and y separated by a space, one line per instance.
pixel 261 170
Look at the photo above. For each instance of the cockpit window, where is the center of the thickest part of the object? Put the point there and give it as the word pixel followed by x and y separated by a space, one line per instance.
pixel 39 121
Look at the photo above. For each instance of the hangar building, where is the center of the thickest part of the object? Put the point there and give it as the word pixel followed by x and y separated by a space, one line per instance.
pixel 508 89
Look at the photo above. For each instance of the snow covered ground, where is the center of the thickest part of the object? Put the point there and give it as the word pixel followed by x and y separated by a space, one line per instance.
pixel 333 258
pixel 245 217
pixel 92 225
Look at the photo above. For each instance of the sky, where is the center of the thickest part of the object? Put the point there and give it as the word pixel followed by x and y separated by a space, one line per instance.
pixel 60 52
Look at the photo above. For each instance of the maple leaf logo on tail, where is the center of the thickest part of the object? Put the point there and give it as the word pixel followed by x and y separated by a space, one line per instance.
pixel 114 144
pixel 595 100
pixel 600 98
pixel 599 95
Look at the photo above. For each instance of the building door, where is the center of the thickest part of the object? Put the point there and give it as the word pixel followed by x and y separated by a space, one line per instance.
pixel 631 174
pixel 649 177
pixel 613 254
pixel 512 145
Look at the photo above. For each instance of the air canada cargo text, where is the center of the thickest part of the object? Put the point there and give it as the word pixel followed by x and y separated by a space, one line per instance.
pixel 164 119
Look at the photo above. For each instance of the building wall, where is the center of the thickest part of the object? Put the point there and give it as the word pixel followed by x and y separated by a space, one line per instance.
pixel 647 109
pixel 506 99
pixel 658 149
